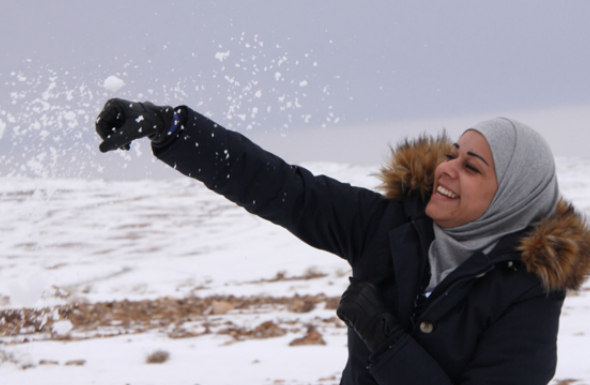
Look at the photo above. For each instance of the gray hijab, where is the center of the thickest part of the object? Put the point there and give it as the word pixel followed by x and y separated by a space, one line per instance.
pixel 527 192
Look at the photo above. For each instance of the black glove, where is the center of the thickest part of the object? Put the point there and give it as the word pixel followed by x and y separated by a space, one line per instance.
pixel 363 310
pixel 121 121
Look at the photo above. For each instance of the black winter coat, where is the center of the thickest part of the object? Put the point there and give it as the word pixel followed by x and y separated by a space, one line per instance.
pixel 494 320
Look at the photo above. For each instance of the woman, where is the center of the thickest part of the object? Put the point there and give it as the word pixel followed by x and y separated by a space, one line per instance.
pixel 460 270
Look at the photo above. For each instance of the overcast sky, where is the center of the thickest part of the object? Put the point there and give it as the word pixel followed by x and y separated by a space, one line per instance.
pixel 289 66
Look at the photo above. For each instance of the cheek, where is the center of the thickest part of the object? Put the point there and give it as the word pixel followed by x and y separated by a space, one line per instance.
pixel 482 198
pixel 491 187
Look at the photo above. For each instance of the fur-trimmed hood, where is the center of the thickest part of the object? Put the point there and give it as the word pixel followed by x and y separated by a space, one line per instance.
pixel 557 250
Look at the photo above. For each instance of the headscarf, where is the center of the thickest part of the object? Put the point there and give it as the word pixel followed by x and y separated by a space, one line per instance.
pixel 527 192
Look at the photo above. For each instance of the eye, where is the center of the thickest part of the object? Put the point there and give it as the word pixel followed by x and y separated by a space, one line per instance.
pixel 471 168
pixel 468 166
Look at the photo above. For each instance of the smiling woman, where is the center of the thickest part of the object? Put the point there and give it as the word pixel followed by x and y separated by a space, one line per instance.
pixel 469 244
pixel 493 191
pixel 465 184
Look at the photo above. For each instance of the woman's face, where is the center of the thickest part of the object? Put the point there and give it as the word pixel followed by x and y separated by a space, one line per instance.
pixel 464 184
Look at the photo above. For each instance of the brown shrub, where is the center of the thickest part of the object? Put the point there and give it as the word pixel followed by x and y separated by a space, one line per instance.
pixel 312 337
pixel 157 357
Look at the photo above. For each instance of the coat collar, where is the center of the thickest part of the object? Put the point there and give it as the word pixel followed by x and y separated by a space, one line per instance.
pixel 557 250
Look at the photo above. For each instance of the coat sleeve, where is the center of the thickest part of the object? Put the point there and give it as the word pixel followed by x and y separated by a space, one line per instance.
pixel 321 211
pixel 519 348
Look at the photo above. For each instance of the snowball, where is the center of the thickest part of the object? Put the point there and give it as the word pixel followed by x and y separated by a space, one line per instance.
pixel 113 83
pixel 2 128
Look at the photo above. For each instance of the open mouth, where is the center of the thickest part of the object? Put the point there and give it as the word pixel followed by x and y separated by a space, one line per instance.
pixel 446 192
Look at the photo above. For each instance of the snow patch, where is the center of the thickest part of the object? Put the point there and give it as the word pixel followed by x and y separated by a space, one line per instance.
pixel 62 327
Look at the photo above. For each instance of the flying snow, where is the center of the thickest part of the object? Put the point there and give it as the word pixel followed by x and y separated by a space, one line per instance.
pixel 221 56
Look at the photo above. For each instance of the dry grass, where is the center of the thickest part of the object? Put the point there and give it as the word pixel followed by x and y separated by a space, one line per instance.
pixel 312 337
pixel 309 273
pixel 75 363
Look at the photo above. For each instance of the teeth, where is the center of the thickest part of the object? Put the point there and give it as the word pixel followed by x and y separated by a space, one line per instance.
pixel 443 191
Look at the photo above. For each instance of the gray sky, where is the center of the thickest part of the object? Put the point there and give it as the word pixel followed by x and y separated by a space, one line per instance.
pixel 281 68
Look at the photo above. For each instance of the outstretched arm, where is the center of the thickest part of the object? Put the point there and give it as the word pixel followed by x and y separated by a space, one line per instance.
pixel 323 212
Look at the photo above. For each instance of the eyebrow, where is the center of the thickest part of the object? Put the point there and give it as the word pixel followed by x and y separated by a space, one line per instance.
pixel 456 145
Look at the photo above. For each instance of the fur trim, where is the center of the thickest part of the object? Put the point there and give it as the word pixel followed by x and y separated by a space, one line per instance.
pixel 411 169
pixel 557 250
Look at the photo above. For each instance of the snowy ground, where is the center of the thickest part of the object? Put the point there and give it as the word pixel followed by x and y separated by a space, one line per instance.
pixel 104 274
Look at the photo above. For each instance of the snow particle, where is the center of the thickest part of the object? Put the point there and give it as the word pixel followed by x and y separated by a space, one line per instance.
pixel 221 56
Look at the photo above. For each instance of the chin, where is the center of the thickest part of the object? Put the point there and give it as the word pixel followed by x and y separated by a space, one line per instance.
pixel 442 221
pixel 433 212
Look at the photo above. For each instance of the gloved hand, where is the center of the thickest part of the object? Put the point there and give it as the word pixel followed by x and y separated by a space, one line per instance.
pixel 363 310
pixel 121 121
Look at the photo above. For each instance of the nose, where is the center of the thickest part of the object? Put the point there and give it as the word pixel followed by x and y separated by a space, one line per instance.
pixel 450 168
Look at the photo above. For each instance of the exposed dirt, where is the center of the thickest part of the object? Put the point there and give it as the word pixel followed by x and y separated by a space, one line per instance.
pixel 179 318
